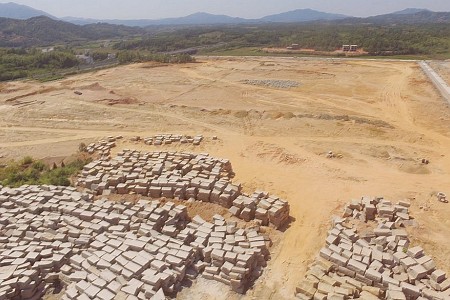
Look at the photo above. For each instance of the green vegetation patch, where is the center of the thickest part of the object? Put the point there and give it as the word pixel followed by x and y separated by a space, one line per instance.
pixel 429 40
pixel 36 172
pixel 21 63
pixel 128 56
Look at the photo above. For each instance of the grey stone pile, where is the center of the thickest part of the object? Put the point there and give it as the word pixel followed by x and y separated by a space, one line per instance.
pixel 183 176
pixel 376 263
pixel 116 250
pixel 103 147
pixel 167 139
pixel 280 84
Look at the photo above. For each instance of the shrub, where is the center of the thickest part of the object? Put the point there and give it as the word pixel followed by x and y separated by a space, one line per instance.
pixel 82 147
pixel 30 171
pixel 27 160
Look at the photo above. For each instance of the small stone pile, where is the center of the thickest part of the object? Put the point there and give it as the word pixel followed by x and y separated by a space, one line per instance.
pixel 373 264
pixel 103 147
pixel 110 250
pixel 167 139
pixel 279 84
pixel 261 206
pixel 235 256
pixel 183 176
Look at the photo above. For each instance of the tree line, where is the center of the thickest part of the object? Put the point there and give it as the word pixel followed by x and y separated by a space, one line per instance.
pixel 16 63
pixel 128 56
pixel 20 63
pixel 427 39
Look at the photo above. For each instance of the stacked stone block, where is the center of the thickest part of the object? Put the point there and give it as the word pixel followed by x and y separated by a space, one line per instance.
pixel 103 147
pixel 168 139
pixel 235 256
pixel 263 207
pixel 378 264
pixel 115 250
pixel 181 175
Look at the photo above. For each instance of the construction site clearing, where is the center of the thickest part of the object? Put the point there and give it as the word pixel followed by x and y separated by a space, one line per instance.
pixel 238 203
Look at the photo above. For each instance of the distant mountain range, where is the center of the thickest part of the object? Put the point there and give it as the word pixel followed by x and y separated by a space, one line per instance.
pixel 201 18
pixel 408 16
pixel 21 12
pixel 302 15
pixel 22 26
pixel 410 11
pixel 193 19
pixel 16 11
pixel 38 31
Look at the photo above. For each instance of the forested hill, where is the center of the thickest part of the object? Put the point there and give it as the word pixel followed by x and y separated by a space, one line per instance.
pixel 412 17
pixel 377 35
pixel 41 31
pixel 22 12
pixel 401 39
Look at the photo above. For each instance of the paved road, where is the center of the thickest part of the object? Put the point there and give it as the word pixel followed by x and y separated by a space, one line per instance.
pixel 437 80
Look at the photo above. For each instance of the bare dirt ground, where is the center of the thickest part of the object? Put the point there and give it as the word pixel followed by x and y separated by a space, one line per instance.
pixel 382 117
pixel 359 52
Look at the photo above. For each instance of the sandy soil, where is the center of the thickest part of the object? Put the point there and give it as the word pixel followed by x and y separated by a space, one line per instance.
pixel 383 117
pixel 359 52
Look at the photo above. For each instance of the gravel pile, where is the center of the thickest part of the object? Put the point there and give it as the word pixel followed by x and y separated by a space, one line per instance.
pixel 279 84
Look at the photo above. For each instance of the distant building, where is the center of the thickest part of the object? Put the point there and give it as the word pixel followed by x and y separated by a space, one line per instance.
pixel 46 50
pixel 293 47
pixel 349 48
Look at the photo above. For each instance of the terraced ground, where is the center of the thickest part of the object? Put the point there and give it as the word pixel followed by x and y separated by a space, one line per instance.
pixel 380 119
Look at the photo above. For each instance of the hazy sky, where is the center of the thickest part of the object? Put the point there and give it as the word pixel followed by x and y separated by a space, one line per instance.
pixel 155 9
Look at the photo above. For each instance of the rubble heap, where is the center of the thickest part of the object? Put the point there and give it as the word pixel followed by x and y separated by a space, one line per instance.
pixel 181 175
pixel 110 250
pixel 378 264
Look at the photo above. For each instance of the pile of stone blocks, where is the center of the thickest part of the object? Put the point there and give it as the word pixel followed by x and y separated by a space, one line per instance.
pixel 167 139
pixel 116 250
pixel 373 264
pixel 261 206
pixel 183 176
pixel 235 256
pixel 103 147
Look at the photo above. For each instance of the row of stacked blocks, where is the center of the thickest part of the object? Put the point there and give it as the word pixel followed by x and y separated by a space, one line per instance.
pixel 168 139
pixel 377 264
pixel 110 250
pixel 185 176
pixel 103 147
